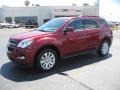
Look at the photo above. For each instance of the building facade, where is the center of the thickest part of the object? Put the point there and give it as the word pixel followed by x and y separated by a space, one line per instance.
pixel 41 14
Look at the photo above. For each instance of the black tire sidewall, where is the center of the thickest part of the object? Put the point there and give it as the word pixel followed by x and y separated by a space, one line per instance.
pixel 38 65
pixel 100 48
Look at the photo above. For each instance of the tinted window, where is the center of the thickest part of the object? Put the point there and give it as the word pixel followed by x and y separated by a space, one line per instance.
pixel 103 23
pixel 76 24
pixel 90 24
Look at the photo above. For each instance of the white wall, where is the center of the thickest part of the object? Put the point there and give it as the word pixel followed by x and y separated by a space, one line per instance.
pixel 47 12
pixel 71 10
pixel 90 11
pixel 1 15
pixel 27 11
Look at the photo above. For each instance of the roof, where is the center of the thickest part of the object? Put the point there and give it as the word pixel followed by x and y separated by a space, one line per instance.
pixel 95 17
pixel 83 17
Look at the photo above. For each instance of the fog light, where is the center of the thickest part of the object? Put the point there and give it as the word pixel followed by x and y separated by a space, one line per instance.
pixel 21 58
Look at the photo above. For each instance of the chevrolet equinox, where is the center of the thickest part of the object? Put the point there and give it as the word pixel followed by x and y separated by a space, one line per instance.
pixel 59 38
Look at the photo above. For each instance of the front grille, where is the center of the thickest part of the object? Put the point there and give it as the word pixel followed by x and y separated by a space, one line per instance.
pixel 13 42
pixel 10 49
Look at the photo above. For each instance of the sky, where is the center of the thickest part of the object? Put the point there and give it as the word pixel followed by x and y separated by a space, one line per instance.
pixel 109 9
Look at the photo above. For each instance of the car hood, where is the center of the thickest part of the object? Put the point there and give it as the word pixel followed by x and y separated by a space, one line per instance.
pixel 31 34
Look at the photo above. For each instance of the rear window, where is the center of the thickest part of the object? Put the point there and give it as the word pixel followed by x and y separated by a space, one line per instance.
pixel 103 23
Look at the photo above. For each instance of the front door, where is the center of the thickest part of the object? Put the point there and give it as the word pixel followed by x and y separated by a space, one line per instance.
pixel 74 41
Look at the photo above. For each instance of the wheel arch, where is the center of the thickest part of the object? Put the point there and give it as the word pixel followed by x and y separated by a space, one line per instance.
pixel 108 39
pixel 105 38
pixel 45 47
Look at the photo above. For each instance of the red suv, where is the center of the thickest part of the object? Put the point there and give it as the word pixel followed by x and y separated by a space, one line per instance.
pixel 59 38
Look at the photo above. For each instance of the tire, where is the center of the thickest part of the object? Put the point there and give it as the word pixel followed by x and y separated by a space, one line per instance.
pixel 104 48
pixel 3 26
pixel 46 60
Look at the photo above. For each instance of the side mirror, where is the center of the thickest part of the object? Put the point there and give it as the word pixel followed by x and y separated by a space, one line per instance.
pixel 69 29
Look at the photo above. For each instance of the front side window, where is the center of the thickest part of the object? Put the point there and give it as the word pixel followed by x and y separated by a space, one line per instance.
pixel 52 25
pixel 76 24
pixel 90 24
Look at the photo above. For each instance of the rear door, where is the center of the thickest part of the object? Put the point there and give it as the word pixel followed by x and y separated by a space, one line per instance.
pixel 92 33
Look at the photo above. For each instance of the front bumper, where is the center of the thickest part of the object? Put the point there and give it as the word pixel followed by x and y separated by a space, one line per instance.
pixel 23 57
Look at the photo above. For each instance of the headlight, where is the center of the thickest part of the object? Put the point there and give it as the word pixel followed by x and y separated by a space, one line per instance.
pixel 25 43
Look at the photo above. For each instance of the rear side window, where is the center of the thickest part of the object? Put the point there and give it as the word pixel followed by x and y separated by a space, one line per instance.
pixel 90 24
pixel 103 23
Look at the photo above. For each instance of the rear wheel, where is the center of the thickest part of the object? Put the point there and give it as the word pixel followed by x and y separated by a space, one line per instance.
pixel 46 59
pixel 104 48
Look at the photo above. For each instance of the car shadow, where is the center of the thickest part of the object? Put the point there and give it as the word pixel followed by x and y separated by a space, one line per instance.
pixel 13 72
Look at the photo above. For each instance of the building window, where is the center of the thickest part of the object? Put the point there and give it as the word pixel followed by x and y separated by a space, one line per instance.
pixel 78 10
pixel 26 19
pixel 46 20
pixel 64 10
pixel 8 19
pixel 59 16
pixel 66 16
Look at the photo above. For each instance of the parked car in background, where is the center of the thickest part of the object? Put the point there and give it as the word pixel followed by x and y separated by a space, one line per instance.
pixel 0 26
pixel 114 24
pixel 31 24
pixel 9 25
pixel 12 25
pixel 60 38
pixel 4 24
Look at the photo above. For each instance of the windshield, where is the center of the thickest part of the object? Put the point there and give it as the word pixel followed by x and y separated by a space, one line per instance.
pixel 52 25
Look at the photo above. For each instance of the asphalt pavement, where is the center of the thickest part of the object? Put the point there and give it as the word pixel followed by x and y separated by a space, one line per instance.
pixel 84 72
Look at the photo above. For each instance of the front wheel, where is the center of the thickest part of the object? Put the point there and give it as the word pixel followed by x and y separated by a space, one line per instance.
pixel 46 59
pixel 104 48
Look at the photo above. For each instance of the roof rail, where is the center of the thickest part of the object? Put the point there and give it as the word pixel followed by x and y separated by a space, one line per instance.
pixel 89 16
